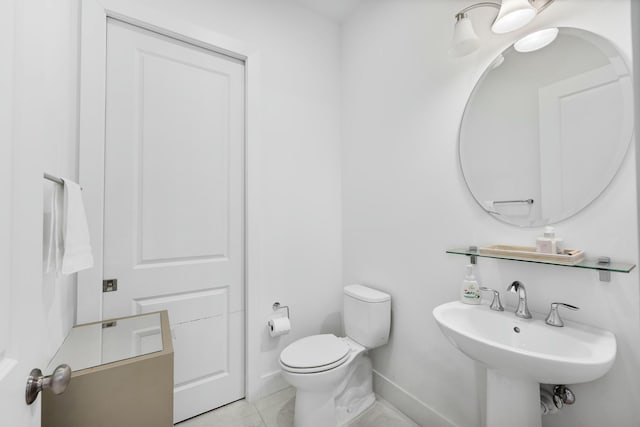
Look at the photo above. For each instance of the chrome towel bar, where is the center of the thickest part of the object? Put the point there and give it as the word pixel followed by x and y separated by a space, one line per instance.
pixel 53 178
pixel 527 201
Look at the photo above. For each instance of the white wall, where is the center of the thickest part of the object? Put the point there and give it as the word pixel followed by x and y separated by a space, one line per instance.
pixel 59 145
pixel 300 215
pixel 7 50
pixel 37 118
pixel 405 202
pixel 45 120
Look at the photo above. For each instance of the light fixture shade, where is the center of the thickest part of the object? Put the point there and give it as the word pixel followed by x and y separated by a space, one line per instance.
pixel 536 40
pixel 464 39
pixel 513 14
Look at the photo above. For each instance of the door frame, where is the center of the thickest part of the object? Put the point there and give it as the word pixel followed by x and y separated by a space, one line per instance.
pixel 93 27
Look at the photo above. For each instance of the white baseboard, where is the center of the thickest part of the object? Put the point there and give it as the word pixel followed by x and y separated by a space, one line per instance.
pixel 407 403
pixel 269 383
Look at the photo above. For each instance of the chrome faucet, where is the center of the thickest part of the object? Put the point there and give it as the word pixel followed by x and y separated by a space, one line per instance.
pixel 496 305
pixel 553 318
pixel 522 310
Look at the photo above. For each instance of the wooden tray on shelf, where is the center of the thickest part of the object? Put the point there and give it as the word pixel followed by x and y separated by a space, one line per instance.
pixel 568 256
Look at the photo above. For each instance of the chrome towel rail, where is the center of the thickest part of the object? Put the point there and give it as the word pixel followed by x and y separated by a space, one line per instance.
pixel 527 201
pixel 53 178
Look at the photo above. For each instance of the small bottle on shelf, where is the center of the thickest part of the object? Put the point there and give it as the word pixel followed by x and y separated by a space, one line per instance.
pixel 546 243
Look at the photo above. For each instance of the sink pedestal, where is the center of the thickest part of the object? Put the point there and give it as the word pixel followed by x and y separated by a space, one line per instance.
pixel 512 401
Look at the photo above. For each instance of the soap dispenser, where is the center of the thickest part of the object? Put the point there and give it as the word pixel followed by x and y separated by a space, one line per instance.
pixel 470 292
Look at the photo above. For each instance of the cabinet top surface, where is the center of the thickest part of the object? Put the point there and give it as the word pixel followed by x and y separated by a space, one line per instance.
pixel 96 344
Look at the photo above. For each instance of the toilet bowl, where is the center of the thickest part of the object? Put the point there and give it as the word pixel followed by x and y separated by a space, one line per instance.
pixel 333 375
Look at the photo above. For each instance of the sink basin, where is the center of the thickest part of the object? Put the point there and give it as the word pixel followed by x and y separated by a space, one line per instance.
pixel 572 354
pixel 519 354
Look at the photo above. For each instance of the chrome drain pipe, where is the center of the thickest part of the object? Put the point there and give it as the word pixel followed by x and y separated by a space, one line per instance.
pixel 552 401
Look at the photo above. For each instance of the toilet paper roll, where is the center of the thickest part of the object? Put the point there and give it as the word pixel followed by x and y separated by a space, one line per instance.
pixel 279 326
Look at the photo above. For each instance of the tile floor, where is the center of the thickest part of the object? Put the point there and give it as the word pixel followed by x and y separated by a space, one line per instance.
pixel 276 410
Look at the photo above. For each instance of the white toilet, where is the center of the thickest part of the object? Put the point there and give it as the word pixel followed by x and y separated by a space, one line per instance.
pixel 332 375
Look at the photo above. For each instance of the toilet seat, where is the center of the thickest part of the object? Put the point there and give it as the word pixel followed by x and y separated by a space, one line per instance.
pixel 316 353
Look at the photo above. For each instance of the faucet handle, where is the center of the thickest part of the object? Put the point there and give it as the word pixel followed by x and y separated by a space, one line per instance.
pixel 553 318
pixel 496 305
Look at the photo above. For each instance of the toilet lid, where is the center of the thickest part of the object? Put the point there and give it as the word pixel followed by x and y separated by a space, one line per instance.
pixel 316 351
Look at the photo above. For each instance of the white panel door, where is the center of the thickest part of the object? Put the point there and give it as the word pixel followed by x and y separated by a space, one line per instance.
pixel 576 114
pixel 22 308
pixel 174 204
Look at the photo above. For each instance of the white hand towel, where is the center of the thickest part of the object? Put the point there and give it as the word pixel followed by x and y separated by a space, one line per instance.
pixel 77 248
pixel 53 229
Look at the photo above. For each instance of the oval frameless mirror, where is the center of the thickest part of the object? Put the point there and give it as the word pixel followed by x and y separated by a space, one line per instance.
pixel 544 132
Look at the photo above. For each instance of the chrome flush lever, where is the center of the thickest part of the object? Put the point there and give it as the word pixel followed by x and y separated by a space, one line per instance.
pixel 496 304
pixel 553 318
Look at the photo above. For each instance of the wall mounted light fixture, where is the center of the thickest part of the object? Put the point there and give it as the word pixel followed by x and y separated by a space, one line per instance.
pixel 536 40
pixel 512 15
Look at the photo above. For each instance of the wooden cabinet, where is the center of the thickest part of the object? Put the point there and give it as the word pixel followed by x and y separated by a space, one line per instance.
pixel 122 375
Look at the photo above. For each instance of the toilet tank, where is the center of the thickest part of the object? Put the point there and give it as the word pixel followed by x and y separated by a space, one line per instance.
pixel 367 315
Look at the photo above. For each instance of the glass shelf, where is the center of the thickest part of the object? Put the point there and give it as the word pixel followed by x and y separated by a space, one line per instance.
pixel 592 264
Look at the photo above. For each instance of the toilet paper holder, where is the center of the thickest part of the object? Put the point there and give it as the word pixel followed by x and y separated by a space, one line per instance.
pixel 276 306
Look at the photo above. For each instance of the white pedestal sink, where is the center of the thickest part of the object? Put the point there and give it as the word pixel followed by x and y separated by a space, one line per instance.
pixel 522 353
